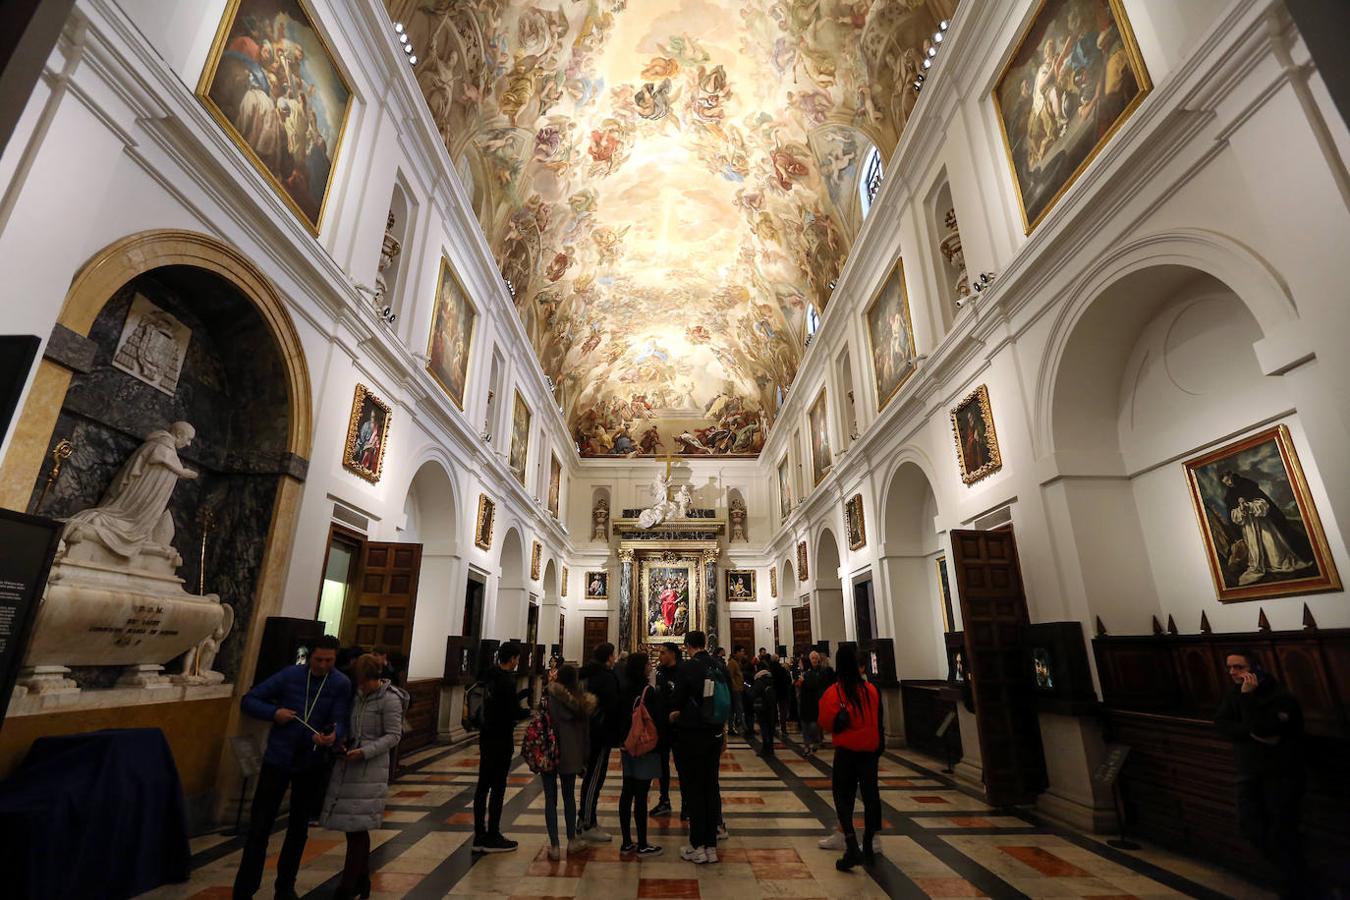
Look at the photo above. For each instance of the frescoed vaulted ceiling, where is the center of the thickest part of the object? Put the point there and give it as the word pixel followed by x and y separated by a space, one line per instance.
pixel 667 185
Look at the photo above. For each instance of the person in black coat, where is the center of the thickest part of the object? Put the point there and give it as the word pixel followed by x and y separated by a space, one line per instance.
pixel 665 687
pixel 1265 723
pixel 698 748
pixel 782 688
pixel 638 771
pixel 496 747
pixel 606 734
pixel 764 703
pixel 816 677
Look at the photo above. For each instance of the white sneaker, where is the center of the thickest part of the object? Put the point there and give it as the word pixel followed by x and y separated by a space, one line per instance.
pixel 575 845
pixel 710 854
pixel 693 855
pixel 834 842
pixel 596 836
pixel 555 853
pixel 722 833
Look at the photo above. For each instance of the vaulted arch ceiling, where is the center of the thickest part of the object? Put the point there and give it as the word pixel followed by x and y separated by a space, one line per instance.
pixel 667 185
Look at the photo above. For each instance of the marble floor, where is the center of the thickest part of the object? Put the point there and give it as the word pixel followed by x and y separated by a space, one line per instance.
pixel 939 841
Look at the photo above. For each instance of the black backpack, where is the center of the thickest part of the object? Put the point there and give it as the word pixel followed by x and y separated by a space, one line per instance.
pixel 475 698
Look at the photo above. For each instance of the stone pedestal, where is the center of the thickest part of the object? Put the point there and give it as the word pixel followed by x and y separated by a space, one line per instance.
pixel 45 680
pixel 1073 750
pixel 144 676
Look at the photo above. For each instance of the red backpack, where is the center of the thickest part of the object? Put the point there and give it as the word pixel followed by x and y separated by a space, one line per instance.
pixel 642 736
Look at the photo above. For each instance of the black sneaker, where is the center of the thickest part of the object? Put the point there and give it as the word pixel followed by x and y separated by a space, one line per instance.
pixel 494 843
pixel 628 848
pixel 662 808
pixel 649 850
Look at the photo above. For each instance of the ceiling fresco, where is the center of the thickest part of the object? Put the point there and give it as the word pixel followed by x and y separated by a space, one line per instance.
pixel 667 185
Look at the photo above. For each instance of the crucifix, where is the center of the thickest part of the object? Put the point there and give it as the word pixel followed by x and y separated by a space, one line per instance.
pixel 670 458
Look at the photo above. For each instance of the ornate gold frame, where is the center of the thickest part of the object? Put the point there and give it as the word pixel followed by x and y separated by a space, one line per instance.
pixel 784 472
pixel 801 561
pixel 203 95
pixel 897 270
pixel 431 332
pixel 525 451
pixel 773 582
pixel 689 560
pixel 980 395
pixel 1329 579
pixel 554 485
pixel 819 405
pixel 586 589
pixel 562 590
pixel 1140 72
pixel 853 514
pixel 487 512
pixel 536 559
pixel 726 585
pixel 362 394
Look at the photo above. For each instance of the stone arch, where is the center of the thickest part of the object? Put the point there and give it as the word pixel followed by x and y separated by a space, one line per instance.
pixel 513 584
pixel 909 547
pixel 828 590
pixel 432 519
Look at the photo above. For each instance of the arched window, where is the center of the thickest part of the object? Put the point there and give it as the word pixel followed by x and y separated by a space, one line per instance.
pixel 870 182
pixel 778 397
pixel 812 320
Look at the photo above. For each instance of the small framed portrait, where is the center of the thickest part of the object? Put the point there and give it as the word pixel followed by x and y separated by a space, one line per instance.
pixel 520 438
pixel 597 585
pixel 976 441
pixel 367 435
pixel 853 521
pixel 275 87
pixel 1262 535
pixel 1075 77
pixel 822 460
pixel 773 582
pixel 801 561
pixel 740 585
pixel 563 589
pixel 536 560
pixel 482 529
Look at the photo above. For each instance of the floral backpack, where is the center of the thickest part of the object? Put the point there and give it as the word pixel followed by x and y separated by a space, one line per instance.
pixel 539 746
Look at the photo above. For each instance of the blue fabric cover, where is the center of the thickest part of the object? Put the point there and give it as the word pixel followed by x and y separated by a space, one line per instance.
pixel 99 814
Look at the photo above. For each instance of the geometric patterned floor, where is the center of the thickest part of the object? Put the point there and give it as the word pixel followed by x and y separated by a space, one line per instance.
pixel 938 841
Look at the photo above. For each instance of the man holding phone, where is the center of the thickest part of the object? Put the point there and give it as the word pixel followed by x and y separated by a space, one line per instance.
pixel 1265 723
pixel 309 707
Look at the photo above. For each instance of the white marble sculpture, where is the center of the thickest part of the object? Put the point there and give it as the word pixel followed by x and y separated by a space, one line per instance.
pixel 600 520
pixel 662 508
pixel 198 662
pixel 682 501
pixel 737 514
pixel 133 520
pixel 389 250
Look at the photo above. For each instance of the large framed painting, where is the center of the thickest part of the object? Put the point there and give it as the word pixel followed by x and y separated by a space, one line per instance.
pixel 563 589
pixel 773 582
pixel 801 561
pixel 854 523
pixel 597 585
pixel 1261 531
pixel 784 488
pixel 821 457
pixel 890 335
pixel 1075 77
pixel 275 87
pixel 554 484
pixel 452 322
pixel 520 438
pixel 976 441
pixel 740 585
pixel 536 559
pixel 367 435
pixel 482 529
pixel 670 602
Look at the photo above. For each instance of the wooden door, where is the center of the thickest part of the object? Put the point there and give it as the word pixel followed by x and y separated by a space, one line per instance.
pixel 594 632
pixel 384 611
pixel 473 609
pixel 864 611
pixel 801 630
pixel 994 609
pixel 743 633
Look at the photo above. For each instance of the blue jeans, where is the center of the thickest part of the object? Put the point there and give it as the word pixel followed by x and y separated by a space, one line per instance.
pixel 569 786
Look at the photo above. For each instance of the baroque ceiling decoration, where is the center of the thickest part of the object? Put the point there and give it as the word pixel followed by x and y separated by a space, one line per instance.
pixel 667 185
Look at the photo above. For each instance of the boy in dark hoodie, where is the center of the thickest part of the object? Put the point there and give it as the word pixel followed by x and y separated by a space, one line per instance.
pixel 599 678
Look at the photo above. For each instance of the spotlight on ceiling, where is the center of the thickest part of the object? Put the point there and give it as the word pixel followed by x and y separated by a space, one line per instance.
pixel 398 27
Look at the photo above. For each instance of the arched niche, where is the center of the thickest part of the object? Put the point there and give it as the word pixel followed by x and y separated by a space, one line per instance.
pixel 243 384
pixel 548 614
pixel 431 514
pixel 910 546
pixel 1158 367
pixel 829 591
pixel 599 531
pixel 508 612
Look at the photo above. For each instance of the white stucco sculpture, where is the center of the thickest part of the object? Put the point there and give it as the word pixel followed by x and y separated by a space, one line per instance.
pixel 662 508
pixel 198 662
pixel 682 501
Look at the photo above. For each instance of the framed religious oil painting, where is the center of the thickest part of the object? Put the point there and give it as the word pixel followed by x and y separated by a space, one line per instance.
pixel 482 529
pixel 773 582
pixel 1261 532
pixel 740 585
pixel 275 87
pixel 452 322
pixel 367 434
pixel 854 523
pixel 597 585
pixel 536 560
pixel 563 585
pixel 890 335
pixel 520 438
pixel 670 604
pixel 554 484
pixel 801 561
pixel 976 441
pixel 821 457
pixel 1075 77
pixel 784 488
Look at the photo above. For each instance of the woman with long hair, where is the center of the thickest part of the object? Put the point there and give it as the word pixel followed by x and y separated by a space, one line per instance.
pixel 851 711
pixel 638 771
pixel 571 709
pixel 360 781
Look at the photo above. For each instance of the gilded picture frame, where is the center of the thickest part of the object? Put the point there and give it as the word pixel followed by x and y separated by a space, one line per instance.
pixel 822 457
pixel 367 435
pixel 802 574
pixel 454 319
pixel 554 484
pixel 597 585
pixel 562 590
pixel 672 598
pixel 1018 110
pixel 1253 490
pixel 519 453
pixel 239 88
pixel 536 559
pixel 773 582
pixel 893 360
pixel 482 529
pixel 740 585
pixel 977 451
pixel 854 523
pixel 784 487
pixel 945 595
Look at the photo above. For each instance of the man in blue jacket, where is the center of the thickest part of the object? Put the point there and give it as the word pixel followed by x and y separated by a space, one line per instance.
pixel 309 707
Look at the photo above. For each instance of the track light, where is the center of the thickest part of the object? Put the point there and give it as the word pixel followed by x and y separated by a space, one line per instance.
pixel 398 27
pixel 984 282
pixel 412 60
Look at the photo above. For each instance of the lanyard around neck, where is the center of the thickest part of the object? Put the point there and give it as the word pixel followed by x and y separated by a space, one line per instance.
pixel 309 707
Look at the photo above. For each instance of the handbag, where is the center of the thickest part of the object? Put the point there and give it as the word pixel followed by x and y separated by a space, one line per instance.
pixel 842 720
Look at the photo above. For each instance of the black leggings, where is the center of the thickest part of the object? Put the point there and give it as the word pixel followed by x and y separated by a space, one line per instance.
pixel 356 866
pixel 633 798
pixel 855 771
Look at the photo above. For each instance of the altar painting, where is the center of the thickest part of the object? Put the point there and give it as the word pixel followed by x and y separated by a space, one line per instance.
pixel 669 592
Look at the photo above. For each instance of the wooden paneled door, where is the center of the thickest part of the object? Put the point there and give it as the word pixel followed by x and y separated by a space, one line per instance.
pixel 743 633
pixel 994 609
pixel 801 630
pixel 384 610
pixel 594 632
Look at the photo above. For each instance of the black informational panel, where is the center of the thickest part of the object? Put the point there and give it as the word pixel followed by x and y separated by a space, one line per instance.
pixel 27 545
pixel 284 641
pixel 17 352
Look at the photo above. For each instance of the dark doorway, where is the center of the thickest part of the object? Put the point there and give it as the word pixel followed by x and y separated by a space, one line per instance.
pixel 473 609
pixel 864 610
